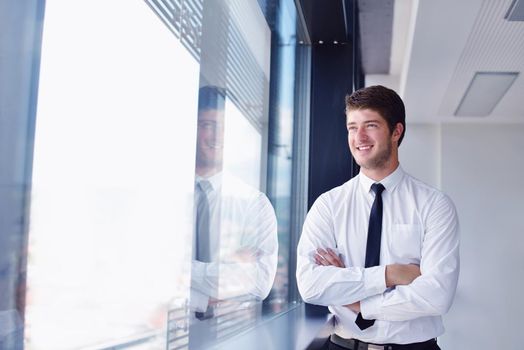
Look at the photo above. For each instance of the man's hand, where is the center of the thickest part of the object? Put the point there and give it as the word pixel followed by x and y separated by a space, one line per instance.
pixel 355 307
pixel 328 257
pixel 244 255
pixel 401 274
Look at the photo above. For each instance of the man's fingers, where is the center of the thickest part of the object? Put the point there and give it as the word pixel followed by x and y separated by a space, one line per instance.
pixel 320 260
pixel 335 257
pixel 328 257
pixel 332 257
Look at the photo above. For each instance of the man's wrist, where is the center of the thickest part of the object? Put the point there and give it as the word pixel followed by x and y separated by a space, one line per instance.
pixel 355 307
pixel 389 272
pixel 401 274
pixel 393 275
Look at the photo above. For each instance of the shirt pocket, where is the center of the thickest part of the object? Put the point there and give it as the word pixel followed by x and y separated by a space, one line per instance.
pixel 405 243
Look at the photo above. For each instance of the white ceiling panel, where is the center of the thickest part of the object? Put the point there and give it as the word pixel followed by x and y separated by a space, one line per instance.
pixel 448 43
pixel 494 45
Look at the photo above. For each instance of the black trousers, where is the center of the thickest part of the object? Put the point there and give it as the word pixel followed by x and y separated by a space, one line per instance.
pixel 429 346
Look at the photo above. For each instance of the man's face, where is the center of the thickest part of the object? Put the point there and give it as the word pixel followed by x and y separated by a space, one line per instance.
pixel 210 138
pixel 370 140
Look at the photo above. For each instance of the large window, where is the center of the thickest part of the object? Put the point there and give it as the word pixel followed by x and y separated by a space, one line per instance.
pixel 111 218
pixel 159 200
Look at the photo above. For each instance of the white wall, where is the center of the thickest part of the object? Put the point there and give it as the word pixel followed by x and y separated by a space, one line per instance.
pixel 420 152
pixel 481 168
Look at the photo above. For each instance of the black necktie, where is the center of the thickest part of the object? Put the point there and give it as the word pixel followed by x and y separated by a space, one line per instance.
pixel 373 243
pixel 203 251
pixel 203 233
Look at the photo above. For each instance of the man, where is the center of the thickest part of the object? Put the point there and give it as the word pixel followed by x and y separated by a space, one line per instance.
pixel 235 245
pixel 382 250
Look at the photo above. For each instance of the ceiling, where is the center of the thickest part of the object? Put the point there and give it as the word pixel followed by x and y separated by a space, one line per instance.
pixel 326 21
pixel 376 25
pixel 438 46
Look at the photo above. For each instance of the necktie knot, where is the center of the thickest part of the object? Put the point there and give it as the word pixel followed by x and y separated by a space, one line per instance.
pixel 377 188
pixel 205 186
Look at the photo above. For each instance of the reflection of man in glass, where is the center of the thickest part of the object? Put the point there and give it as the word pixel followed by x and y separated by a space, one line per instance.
pixel 235 244
pixel 210 135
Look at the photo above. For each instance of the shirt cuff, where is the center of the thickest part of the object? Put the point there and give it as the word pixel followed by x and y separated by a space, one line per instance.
pixel 201 272
pixel 198 301
pixel 198 272
pixel 375 280
pixel 370 307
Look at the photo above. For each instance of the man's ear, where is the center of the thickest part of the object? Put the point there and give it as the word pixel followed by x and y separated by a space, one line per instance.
pixel 397 131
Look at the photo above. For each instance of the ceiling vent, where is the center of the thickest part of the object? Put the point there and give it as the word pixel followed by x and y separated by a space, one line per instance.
pixel 516 11
pixel 484 93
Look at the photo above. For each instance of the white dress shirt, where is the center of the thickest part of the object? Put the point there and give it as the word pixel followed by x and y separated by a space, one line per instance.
pixel 419 226
pixel 244 244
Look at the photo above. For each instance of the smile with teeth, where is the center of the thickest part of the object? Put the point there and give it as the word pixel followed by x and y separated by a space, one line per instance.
pixel 364 148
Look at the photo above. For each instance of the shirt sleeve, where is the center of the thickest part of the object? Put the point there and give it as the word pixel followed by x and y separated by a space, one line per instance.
pixel 432 293
pixel 330 285
pixel 251 270
pixel 198 301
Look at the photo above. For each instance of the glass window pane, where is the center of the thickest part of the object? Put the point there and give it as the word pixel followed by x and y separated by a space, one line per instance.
pixel 111 227
pixel 159 160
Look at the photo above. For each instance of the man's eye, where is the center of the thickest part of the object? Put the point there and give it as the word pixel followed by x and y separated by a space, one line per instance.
pixel 205 125
pixel 372 125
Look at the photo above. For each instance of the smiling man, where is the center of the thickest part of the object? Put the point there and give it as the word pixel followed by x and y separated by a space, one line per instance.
pixel 235 243
pixel 382 250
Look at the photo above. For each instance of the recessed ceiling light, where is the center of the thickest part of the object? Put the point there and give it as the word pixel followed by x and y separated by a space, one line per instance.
pixel 515 11
pixel 484 93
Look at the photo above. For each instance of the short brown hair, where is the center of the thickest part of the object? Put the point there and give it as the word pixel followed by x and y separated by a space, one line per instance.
pixel 382 100
pixel 211 97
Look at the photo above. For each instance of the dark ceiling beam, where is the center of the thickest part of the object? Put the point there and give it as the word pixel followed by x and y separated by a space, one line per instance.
pixel 376 32
pixel 328 22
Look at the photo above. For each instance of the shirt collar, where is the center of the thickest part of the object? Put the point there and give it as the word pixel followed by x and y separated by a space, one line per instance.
pixel 214 180
pixel 389 182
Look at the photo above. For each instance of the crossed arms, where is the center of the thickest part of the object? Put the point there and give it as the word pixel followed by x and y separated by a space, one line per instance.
pixel 396 292
pixel 249 267
pixel 396 274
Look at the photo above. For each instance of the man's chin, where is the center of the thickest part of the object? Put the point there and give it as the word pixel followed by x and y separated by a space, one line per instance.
pixel 209 164
pixel 368 165
pixel 361 163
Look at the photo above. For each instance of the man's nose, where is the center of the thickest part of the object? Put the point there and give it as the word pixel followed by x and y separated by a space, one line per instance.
pixel 361 133
pixel 217 135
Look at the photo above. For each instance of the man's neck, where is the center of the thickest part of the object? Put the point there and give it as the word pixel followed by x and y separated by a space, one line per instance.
pixel 207 171
pixel 379 174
